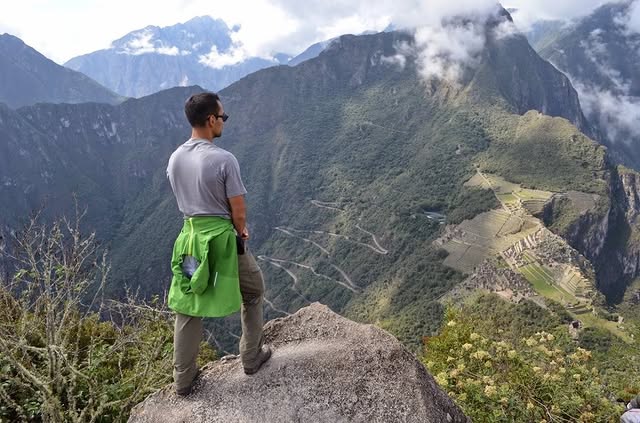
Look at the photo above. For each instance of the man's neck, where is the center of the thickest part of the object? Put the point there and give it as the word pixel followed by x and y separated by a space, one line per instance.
pixel 198 134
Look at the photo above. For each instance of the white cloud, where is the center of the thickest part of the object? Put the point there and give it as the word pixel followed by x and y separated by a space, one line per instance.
pixel 399 60
pixel 529 11
pixel 445 51
pixel 618 115
pixel 143 43
pixel 442 49
pixel 634 17
pixel 597 52
pixel 506 29
pixel 217 60
pixel 630 21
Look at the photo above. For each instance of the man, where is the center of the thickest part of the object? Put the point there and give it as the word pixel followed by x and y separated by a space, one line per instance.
pixel 632 415
pixel 207 263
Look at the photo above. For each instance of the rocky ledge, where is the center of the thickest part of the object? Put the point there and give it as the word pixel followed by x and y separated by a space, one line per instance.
pixel 324 368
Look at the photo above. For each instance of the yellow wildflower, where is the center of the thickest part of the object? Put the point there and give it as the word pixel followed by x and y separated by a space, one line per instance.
pixel 490 390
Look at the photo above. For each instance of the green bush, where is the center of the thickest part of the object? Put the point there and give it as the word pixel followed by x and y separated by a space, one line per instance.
pixel 64 354
pixel 496 376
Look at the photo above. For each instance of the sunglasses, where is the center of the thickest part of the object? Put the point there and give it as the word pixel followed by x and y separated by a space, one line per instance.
pixel 224 117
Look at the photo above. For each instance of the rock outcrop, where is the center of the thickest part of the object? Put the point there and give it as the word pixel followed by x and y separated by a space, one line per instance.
pixel 324 368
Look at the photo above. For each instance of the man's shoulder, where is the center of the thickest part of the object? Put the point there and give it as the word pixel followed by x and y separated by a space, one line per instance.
pixel 221 152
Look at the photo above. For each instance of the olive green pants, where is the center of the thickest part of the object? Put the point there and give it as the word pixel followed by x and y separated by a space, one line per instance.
pixel 188 330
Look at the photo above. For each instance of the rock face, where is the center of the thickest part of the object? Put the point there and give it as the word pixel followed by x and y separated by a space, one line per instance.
pixel 324 368
pixel 608 233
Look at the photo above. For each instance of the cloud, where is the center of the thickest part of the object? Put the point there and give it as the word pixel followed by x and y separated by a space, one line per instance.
pixel 618 115
pixel 530 11
pixel 629 20
pixel 399 60
pixel 444 52
pixel 634 17
pixel 597 52
pixel 443 47
pixel 217 60
pixel 143 43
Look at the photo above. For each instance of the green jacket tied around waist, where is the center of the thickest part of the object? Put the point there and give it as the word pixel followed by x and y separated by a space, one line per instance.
pixel 214 288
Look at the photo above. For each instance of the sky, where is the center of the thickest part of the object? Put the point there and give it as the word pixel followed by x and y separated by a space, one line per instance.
pixel 62 29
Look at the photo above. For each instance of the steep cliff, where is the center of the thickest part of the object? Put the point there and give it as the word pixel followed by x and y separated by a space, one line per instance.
pixel 607 232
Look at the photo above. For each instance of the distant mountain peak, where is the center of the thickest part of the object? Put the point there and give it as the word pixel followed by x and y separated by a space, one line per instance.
pixel 199 51
pixel 196 36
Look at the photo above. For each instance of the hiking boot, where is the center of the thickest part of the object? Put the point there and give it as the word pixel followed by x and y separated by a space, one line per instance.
pixel 187 391
pixel 263 356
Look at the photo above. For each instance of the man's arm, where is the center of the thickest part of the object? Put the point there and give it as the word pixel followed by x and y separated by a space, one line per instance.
pixel 239 215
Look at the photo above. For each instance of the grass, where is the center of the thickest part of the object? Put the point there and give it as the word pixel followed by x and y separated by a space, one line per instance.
pixel 544 284
pixel 589 320
pixel 508 198
pixel 529 194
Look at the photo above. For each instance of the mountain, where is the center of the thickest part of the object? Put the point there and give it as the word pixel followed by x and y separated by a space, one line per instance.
pixel 198 52
pixel 27 77
pixel 312 51
pixel 543 32
pixel 371 189
pixel 600 54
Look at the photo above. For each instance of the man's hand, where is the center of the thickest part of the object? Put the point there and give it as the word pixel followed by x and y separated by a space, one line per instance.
pixel 239 215
pixel 245 234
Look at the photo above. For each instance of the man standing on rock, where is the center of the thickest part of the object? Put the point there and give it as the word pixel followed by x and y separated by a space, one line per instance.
pixel 213 274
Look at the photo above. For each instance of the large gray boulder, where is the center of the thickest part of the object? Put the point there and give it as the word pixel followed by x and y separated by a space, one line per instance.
pixel 324 368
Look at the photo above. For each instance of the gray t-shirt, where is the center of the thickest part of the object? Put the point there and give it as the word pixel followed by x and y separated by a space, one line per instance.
pixel 203 176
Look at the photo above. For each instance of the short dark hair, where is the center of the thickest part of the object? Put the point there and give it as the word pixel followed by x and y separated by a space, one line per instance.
pixel 200 106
